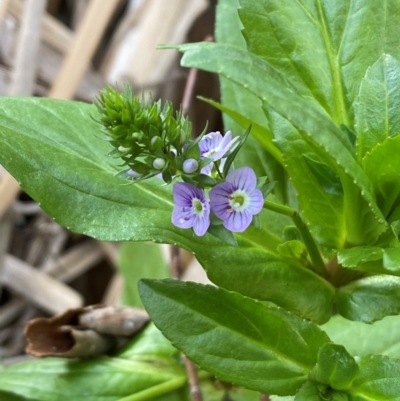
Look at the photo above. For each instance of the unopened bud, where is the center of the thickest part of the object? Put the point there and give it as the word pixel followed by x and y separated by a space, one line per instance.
pixel 159 163
pixel 190 166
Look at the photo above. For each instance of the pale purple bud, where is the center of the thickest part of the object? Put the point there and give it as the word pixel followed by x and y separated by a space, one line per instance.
pixel 190 166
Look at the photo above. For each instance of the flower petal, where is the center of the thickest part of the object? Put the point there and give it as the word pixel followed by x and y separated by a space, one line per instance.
pixel 184 192
pixel 256 202
pixel 201 224
pixel 219 201
pixel 243 178
pixel 182 219
pixel 237 222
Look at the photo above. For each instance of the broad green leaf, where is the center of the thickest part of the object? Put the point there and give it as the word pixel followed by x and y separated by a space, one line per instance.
pixel 376 107
pixel 364 221
pixel 378 379
pixel 233 97
pixel 148 364
pixel 138 260
pixel 101 379
pixel 371 259
pixel 385 177
pixel 53 149
pixel 335 367
pixel 382 337
pixel 323 47
pixel 370 298
pixel 324 210
pixel 241 341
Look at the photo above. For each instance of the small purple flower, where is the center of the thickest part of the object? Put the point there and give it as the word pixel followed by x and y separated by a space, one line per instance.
pixel 236 200
pixel 191 208
pixel 215 146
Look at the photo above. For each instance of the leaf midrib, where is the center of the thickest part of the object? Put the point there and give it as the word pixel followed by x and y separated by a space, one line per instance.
pixel 279 355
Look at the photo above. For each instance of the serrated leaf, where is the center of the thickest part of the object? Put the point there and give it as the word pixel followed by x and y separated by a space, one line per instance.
pixel 371 259
pixel 385 177
pixel 242 341
pixel 381 337
pixel 326 177
pixel 364 221
pixel 63 166
pixel 309 392
pixel 369 299
pixel 376 107
pixel 378 380
pixel 323 47
pixel 335 367
pixel 228 30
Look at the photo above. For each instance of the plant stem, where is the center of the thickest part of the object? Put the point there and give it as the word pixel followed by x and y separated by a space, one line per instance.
pixel 157 390
pixel 195 389
pixel 312 248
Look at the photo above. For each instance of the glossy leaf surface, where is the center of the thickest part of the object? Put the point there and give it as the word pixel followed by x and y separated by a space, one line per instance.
pixel 369 299
pixel 64 167
pixel 238 339
pixel 376 107
pixel 381 337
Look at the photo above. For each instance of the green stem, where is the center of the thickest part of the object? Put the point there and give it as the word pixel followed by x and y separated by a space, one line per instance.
pixel 312 248
pixel 157 390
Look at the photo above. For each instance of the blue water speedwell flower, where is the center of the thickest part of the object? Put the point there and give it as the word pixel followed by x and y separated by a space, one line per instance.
pixel 215 146
pixel 236 200
pixel 191 208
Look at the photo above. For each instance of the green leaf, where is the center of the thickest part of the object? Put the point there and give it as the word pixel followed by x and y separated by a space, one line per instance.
pixel 381 337
pixel 234 98
pixel 309 392
pixel 138 260
pixel 324 210
pixel 378 379
pixel 147 365
pixel 242 340
pixel 370 298
pixel 385 177
pixel 326 177
pixel 371 259
pixel 52 148
pixel 335 367
pixel 364 221
pixel 376 107
pixel 323 47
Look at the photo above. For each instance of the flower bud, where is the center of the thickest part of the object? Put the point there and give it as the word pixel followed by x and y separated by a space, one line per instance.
pixel 190 166
pixel 159 163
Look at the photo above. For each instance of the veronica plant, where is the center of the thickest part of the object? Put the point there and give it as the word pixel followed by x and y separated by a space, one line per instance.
pixel 303 261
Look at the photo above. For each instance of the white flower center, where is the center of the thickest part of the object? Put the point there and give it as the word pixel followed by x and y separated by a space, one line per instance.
pixel 238 201
pixel 197 207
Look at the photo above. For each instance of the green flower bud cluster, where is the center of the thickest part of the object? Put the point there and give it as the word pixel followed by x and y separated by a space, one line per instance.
pixel 146 136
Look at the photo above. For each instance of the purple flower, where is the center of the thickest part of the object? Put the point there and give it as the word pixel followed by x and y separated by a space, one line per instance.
pixel 236 200
pixel 215 146
pixel 191 208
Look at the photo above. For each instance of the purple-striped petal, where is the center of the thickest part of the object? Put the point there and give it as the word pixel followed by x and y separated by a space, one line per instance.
pixel 184 193
pixel 243 178
pixel 182 219
pixel 237 222
pixel 201 224
pixel 256 202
